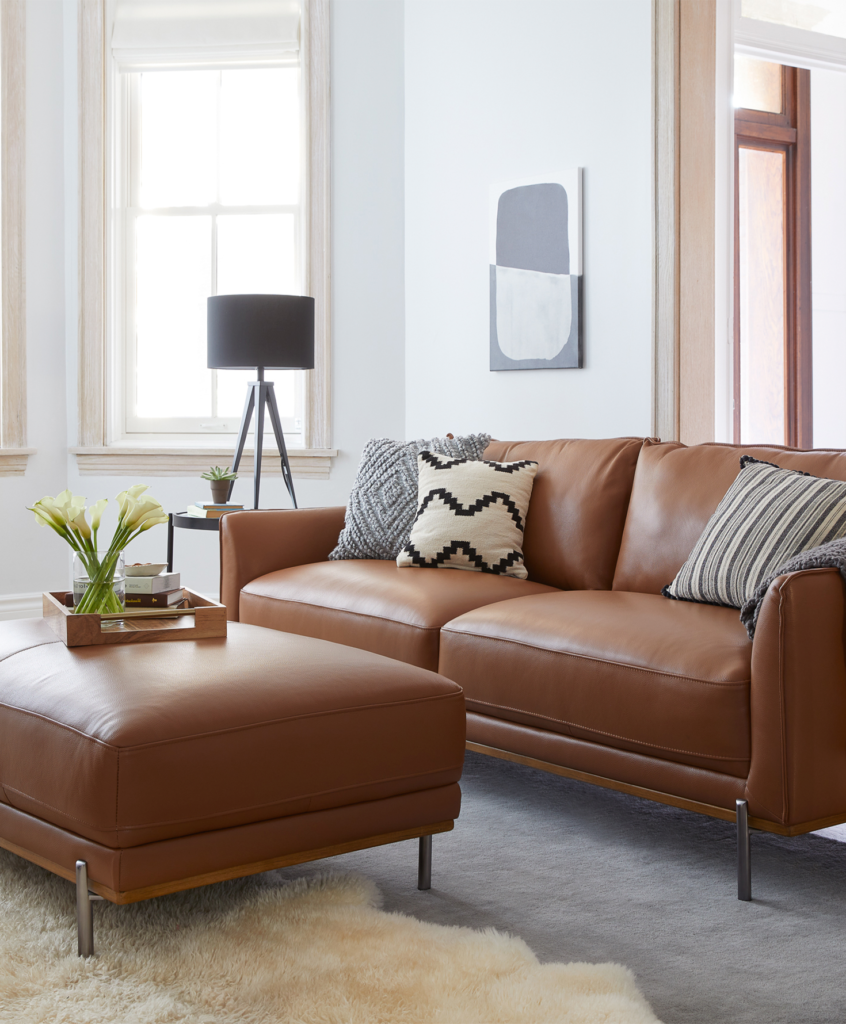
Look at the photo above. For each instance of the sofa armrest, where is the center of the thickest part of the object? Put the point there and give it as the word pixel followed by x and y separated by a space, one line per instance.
pixel 798 701
pixel 256 542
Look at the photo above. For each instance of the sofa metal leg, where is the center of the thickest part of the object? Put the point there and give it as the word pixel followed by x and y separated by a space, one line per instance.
pixel 84 911
pixel 424 863
pixel 744 852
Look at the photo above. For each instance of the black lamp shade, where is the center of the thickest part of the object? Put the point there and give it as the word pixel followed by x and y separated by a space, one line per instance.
pixel 275 332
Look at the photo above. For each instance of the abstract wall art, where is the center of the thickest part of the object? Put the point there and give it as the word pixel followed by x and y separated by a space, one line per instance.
pixel 536 273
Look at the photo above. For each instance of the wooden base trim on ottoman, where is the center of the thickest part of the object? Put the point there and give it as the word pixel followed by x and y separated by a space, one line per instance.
pixel 239 871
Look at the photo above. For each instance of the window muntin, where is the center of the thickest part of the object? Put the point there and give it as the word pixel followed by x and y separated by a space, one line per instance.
pixel 214 206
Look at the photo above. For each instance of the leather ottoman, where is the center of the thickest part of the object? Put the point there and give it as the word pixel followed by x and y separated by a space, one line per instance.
pixel 143 769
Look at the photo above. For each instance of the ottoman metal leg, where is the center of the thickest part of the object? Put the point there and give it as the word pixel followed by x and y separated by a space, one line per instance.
pixel 84 911
pixel 424 863
pixel 744 852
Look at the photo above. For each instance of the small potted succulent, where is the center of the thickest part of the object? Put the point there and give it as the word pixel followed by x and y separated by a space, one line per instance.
pixel 221 481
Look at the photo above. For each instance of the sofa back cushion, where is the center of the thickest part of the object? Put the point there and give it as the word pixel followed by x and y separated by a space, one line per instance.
pixel 578 507
pixel 676 491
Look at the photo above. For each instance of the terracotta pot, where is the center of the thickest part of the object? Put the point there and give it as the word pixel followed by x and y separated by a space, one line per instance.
pixel 220 491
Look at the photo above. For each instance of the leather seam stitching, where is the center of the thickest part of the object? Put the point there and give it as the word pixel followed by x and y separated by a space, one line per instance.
pixel 58 725
pixel 291 718
pixel 343 611
pixel 603 732
pixel 32 647
pixel 219 814
pixel 601 661
pixel 230 731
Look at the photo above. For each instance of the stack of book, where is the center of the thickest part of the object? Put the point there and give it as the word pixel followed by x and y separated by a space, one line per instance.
pixel 209 510
pixel 162 591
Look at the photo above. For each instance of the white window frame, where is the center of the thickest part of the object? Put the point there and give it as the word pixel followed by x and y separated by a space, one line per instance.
pixel 13 451
pixel 102 448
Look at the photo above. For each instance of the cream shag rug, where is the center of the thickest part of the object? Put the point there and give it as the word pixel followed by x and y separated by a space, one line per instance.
pixel 264 951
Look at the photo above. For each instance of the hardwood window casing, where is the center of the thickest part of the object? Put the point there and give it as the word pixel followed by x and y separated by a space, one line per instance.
pixel 788 133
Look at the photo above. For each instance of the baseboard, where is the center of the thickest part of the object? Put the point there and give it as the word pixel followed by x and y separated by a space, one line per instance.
pixel 20 606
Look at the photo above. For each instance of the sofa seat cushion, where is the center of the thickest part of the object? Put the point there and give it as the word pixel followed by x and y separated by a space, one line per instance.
pixel 128 744
pixel 374 605
pixel 631 671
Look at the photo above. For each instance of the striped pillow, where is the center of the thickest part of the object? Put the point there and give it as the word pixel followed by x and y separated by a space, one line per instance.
pixel 767 516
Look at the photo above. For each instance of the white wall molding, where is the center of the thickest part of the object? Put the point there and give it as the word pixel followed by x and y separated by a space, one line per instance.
pixel 786 45
pixel 665 179
pixel 13 233
pixel 20 606
pixel 316 75
pixel 115 460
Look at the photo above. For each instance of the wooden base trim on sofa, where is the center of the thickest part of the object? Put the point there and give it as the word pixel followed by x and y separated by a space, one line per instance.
pixel 238 871
pixel 762 824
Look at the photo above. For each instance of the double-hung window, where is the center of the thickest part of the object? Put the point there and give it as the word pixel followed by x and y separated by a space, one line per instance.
pixel 203 171
pixel 213 207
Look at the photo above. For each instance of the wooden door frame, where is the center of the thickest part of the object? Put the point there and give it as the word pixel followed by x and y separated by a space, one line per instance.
pixel 788 133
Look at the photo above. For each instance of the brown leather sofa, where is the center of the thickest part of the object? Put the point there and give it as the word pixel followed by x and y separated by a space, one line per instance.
pixel 584 669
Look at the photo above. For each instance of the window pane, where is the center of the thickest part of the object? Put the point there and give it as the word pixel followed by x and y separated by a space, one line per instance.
pixel 826 16
pixel 761 221
pixel 255 254
pixel 232 392
pixel 178 138
pixel 757 84
pixel 173 280
pixel 260 137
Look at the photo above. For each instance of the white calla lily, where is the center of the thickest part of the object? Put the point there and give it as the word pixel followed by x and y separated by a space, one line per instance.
pixel 163 518
pixel 66 514
pixel 80 524
pixel 97 510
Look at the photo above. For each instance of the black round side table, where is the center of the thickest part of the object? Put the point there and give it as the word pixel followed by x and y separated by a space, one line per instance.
pixel 182 521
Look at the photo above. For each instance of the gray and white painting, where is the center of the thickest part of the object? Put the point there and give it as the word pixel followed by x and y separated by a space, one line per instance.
pixel 536 273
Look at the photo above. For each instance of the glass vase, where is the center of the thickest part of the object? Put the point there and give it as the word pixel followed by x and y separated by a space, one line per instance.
pixel 99 583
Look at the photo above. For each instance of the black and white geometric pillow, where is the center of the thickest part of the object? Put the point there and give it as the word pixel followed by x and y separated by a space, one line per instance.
pixel 470 515
pixel 767 516
pixel 383 502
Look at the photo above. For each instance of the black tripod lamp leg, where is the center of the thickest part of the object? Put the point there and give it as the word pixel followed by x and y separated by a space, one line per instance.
pixel 242 434
pixel 259 433
pixel 273 411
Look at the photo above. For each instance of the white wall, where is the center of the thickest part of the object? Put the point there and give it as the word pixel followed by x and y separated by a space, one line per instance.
pixel 828 254
pixel 432 100
pixel 33 558
pixel 368 301
pixel 497 91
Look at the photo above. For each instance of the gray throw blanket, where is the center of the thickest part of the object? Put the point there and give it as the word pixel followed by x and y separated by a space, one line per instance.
pixel 827 556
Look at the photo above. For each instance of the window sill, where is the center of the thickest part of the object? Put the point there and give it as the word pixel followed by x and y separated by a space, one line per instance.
pixel 117 460
pixel 13 461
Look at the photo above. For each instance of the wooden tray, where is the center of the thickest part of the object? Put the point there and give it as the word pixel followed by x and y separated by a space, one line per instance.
pixel 208 621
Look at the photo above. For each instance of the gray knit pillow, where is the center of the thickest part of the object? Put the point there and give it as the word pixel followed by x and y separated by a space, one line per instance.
pixel 383 502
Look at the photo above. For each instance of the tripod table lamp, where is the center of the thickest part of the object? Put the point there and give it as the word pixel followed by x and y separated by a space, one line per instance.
pixel 265 332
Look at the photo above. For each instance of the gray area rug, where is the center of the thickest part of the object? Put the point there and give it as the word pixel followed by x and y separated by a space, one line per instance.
pixel 583 873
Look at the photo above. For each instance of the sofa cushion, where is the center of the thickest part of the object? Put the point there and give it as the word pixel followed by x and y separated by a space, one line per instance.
pixel 579 501
pixel 676 491
pixel 631 671
pixel 373 604
pixel 471 516
pixel 128 744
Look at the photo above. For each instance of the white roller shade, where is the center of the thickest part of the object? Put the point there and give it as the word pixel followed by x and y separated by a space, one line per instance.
pixel 190 33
